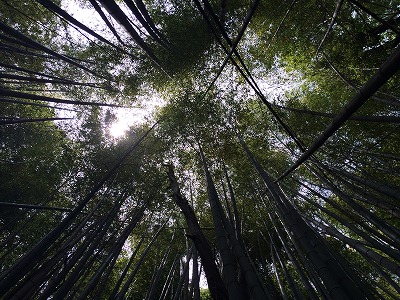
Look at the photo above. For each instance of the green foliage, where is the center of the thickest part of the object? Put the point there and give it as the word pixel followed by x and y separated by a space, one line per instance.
pixel 205 294
pixel 46 164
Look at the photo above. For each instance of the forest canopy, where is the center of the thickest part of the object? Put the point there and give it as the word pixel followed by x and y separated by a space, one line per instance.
pixel 260 157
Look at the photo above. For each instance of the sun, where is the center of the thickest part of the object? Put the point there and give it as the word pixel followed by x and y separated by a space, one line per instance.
pixel 125 118
pixel 118 129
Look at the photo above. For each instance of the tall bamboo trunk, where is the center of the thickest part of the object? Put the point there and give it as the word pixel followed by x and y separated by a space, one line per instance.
pixel 215 283
pixel 121 294
pixel 154 282
pixel 337 281
pixel 253 285
pixel 10 278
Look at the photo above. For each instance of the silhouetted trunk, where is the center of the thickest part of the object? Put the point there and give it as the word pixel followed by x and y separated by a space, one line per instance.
pixel 116 12
pixel 33 207
pixel 145 24
pixel 105 20
pixel 142 8
pixel 215 284
pixel 228 260
pixel 375 16
pixel 126 269
pixel 357 245
pixel 395 254
pixel 338 283
pixel 157 275
pixel 62 13
pixel 185 272
pixel 11 277
pixel 18 35
pixel 391 192
pixel 331 24
pixel 387 229
pixel 115 251
pixel 371 199
pixel 385 72
pixel 195 276
pixel 238 227
pixel 252 283
pixel 246 22
pixel 16 94
pixel 11 121
pixel 33 104
pixel 46 80
pixel 277 274
pixel 82 260
pixel 169 278
pixel 310 291
pixel 379 119
pixel 121 294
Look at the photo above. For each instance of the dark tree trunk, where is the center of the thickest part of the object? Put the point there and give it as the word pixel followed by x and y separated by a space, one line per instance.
pixel 215 284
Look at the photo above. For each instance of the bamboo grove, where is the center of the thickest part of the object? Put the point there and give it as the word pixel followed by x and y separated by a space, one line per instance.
pixel 269 169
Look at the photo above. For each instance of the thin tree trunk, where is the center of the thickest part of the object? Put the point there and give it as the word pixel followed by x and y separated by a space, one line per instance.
pixel 385 72
pixel 351 215
pixel 215 284
pixel 395 254
pixel 195 276
pixel 11 93
pixel 114 253
pixel 142 8
pixel 338 283
pixel 276 271
pixel 375 16
pixel 14 101
pixel 34 207
pixel 387 277
pixel 370 199
pixel 378 119
pixel 116 12
pixel 287 237
pixel 238 227
pixel 236 42
pixel 332 23
pixel 45 80
pixel 228 261
pixel 377 186
pixel 62 13
pixel 169 278
pixel 25 263
pixel 12 67
pixel 185 271
pixel 105 20
pixel 358 246
pixel 386 228
pixel 354 87
pixel 292 258
pixel 227 206
pixel 253 285
pixel 246 73
pixel 126 269
pixel 121 294
pixel 7 29
pixel 21 121
pixel 38 275
pixel 82 254
pixel 145 24
pixel 308 267
pixel 160 269
pixel 288 276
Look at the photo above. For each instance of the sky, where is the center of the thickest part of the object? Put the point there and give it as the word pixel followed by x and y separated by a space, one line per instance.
pixel 125 117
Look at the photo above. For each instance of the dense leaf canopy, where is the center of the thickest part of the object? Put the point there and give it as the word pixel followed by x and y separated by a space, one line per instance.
pixel 261 159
